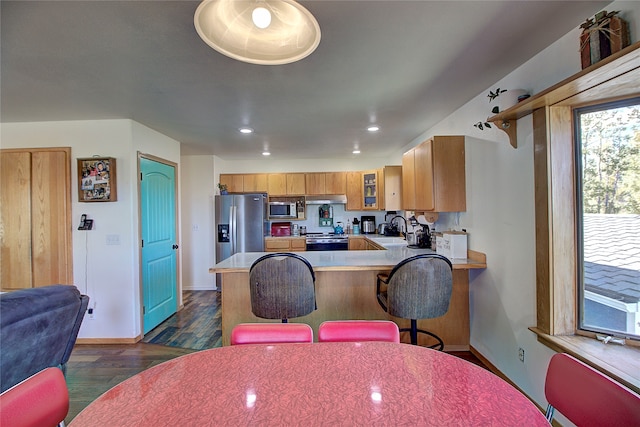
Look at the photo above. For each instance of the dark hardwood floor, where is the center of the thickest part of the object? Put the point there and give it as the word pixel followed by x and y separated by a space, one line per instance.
pixel 197 326
pixel 94 369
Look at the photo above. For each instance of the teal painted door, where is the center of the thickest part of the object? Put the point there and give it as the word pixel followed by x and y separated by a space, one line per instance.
pixel 159 246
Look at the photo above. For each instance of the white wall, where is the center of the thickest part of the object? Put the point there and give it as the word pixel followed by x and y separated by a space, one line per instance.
pixel 500 215
pixel 109 274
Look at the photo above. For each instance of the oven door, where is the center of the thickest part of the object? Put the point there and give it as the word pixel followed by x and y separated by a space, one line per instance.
pixel 328 246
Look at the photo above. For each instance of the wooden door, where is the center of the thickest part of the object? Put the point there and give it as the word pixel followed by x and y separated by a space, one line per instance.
pixel 15 226
pixel 51 233
pixel 35 217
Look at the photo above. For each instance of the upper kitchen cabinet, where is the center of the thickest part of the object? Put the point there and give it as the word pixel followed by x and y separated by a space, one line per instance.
pixel 433 176
pixel 372 190
pixel 392 188
pixel 354 191
pixel 234 182
pixel 286 184
pixel 245 183
pixel 321 183
pixel 335 182
pixel 255 183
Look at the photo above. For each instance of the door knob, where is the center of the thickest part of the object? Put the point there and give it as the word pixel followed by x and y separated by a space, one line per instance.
pixel 174 247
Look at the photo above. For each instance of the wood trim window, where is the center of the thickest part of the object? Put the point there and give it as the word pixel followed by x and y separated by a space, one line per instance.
pixel 556 239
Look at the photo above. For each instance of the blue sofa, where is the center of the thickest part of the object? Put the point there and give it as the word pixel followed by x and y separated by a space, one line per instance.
pixel 38 329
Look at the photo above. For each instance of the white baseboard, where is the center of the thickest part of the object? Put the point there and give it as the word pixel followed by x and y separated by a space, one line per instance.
pixel 199 288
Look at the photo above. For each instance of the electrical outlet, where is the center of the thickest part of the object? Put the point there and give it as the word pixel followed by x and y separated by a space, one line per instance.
pixel 91 312
pixel 521 354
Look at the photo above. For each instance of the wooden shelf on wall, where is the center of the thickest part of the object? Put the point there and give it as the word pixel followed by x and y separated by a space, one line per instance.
pixel 616 76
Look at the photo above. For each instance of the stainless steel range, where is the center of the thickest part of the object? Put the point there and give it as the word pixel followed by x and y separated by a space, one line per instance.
pixel 327 242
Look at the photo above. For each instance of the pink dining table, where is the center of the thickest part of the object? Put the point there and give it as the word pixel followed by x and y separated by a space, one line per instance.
pixel 332 384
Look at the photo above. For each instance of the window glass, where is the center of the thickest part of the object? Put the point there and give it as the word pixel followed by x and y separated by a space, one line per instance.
pixel 608 161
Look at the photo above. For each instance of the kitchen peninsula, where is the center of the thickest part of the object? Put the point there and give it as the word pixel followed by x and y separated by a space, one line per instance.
pixel 346 289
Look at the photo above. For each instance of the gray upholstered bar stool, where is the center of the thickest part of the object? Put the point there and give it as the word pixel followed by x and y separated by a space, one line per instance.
pixel 418 287
pixel 282 286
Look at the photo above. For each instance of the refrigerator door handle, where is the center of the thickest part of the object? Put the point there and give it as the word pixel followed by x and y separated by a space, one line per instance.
pixel 233 228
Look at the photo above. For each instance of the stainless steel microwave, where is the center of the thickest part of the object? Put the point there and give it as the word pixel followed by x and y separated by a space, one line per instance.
pixel 282 210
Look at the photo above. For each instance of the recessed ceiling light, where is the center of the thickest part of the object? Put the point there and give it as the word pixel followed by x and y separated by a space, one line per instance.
pixel 266 153
pixel 245 130
pixel 356 151
pixel 373 128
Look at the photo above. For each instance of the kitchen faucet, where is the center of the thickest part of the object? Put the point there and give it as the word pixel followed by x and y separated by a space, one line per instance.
pixel 404 233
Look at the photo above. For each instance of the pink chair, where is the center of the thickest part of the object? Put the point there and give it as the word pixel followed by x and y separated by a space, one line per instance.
pixel 586 396
pixel 40 400
pixel 358 330
pixel 271 333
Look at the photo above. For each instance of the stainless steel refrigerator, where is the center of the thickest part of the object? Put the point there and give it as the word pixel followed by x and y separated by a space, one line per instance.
pixel 241 224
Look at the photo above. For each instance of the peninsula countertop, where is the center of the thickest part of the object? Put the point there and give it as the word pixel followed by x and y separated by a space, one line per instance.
pixel 351 260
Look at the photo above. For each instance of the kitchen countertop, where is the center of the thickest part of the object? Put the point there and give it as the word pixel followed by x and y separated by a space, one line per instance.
pixel 395 252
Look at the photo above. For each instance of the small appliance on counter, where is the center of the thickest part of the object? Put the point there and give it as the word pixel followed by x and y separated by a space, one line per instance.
pixel 368 224
pixel 356 226
pixel 280 229
pixel 303 230
pixel 421 237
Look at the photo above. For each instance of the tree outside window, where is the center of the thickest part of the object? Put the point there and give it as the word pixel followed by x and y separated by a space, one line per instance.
pixel 609 218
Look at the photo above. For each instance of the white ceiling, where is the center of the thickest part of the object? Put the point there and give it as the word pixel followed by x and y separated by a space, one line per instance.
pixel 404 65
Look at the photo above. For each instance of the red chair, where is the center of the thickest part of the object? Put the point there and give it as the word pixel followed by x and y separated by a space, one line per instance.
pixel 358 330
pixel 271 333
pixel 586 396
pixel 40 400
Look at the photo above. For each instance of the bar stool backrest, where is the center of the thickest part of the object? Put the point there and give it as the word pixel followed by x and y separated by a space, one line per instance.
pixel 282 286
pixel 420 287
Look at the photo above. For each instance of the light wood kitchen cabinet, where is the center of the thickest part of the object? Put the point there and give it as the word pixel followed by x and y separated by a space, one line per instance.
pixel 392 188
pixel 296 184
pixel 354 191
pixel 361 243
pixel 433 176
pixel 373 190
pixel 234 182
pixel 35 217
pixel 284 244
pixel 321 183
pixel 315 183
pixel 255 182
pixel 286 184
pixel 357 243
pixel 277 184
pixel 335 182
pixel 245 183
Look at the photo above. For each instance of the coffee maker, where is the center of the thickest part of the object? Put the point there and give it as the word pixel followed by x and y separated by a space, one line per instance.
pixel 422 234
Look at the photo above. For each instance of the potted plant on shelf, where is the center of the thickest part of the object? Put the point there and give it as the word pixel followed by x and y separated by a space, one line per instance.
pixel 223 188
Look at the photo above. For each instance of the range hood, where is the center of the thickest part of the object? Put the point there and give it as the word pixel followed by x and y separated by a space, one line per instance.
pixel 339 199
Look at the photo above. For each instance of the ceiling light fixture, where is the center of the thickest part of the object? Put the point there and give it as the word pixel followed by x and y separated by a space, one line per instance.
pixel 373 128
pixel 265 32
pixel 356 151
pixel 266 153
pixel 246 130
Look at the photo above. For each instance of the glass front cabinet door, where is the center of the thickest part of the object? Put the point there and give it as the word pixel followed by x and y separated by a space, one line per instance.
pixel 370 190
